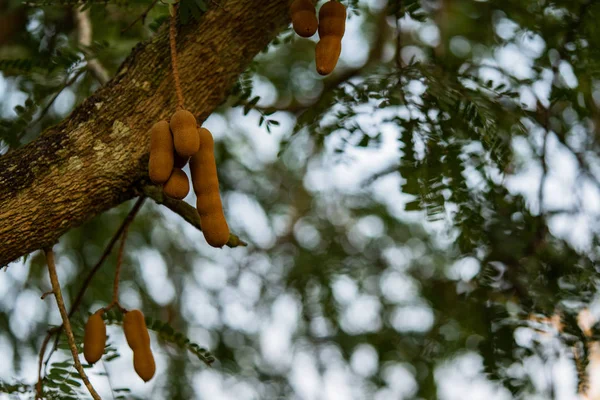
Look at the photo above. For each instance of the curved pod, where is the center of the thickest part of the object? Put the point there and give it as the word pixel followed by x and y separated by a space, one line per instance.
pixel 327 54
pixel 331 10
pixel 177 186
pixel 332 26
pixel 185 137
pixel 206 186
pixel 94 338
pixel 143 363
pixel 135 330
pixel 304 17
pixel 161 160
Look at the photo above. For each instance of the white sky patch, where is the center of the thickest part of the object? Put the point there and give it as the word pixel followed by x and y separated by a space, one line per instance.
pixel 64 103
pixel 566 72
pixel 401 381
pixel 412 318
pixel 397 287
pixel 464 269
pixel 511 59
pixel 354 45
pixel 304 377
pixel 464 374
pixel 210 275
pixel 153 270
pixel 250 218
pixel 198 308
pixel 362 315
pixel 338 384
pixel 365 360
pixel 506 28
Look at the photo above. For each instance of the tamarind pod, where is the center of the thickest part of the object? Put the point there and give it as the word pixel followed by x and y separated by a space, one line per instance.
pixel 178 185
pixel 135 330
pixel 214 227
pixel 332 19
pixel 94 338
pixel 206 185
pixel 161 160
pixel 327 53
pixel 143 363
pixel 179 161
pixel 304 17
pixel 185 135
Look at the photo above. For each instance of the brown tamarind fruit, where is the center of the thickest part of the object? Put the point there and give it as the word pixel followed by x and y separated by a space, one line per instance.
pixel 332 19
pixel 332 26
pixel 327 53
pixel 143 363
pixel 94 337
pixel 185 134
pixel 206 185
pixel 138 339
pixel 161 160
pixel 135 330
pixel 304 17
pixel 178 185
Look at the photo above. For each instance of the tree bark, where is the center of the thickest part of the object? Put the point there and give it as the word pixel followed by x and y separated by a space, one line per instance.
pixel 97 157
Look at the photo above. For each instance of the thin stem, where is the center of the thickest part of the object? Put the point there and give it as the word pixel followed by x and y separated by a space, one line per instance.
pixel 57 330
pixel 141 17
pixel 38 386
pixel 66 323
pixel 173 43
pixel 83 25
pixel 115 299
pixel 124 225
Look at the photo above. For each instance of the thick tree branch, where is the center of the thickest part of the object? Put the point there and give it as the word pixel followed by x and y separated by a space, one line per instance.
pixel 94 159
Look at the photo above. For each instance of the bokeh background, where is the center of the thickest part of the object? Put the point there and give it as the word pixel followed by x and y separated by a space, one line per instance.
pixel 422 224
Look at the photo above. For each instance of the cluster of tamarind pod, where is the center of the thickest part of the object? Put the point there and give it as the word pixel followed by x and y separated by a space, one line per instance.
pixel 331 26
pixel 136 334
pixel 172 145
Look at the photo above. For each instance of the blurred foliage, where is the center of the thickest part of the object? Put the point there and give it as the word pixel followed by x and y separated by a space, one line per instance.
pixel 358 275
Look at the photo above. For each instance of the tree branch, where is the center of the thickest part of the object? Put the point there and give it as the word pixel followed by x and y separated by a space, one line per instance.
pixel 67 324
pixel 84 33
pixel 185 211
pixel 97 157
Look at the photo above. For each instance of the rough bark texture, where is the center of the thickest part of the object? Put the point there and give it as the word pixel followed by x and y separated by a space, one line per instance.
pixel 97 157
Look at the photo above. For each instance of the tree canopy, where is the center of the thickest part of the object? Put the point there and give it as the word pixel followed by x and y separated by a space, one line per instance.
pixel 420 223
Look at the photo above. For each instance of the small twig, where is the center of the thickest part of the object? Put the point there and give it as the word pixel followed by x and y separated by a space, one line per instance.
pixel 84 33
pixel 38 386
pixel 115 298
pixel 46 294
pixel 141 17
pixel 173 45
pixel 184 210
pixel 124 225
pixel 66 323
pixel 85 285
pixel 68 82
pixel 543 159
